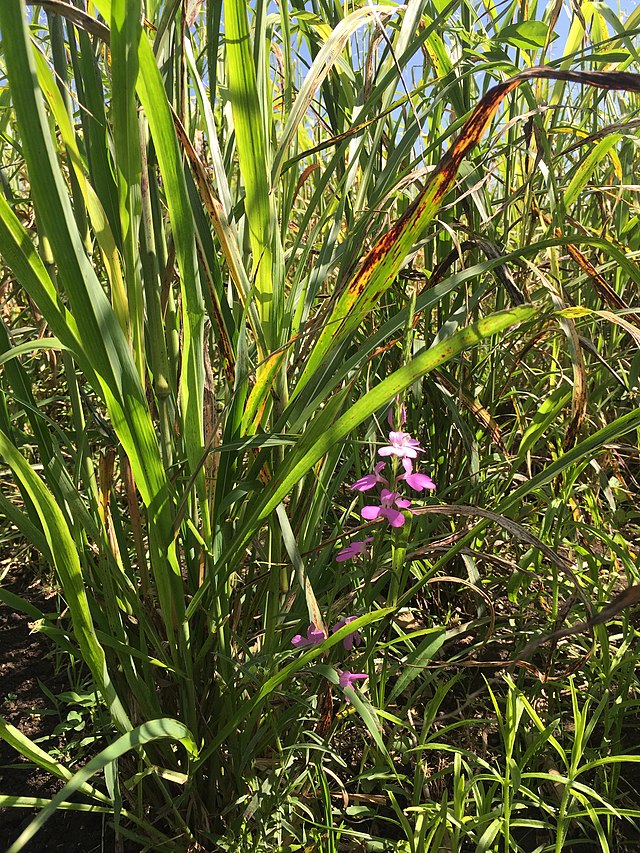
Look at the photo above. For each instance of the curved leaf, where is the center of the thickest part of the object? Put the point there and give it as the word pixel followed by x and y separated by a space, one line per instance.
pixel 155 730
pixel 383 262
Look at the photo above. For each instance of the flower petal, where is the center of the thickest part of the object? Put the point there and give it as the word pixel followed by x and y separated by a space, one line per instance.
pixel 346 679
pixel 365 483
pixel 401 444
pixel 314 637
pixel 351 639
pixel 370 512
pixel 345 554
pixel 418 482
pixel 393 516
pixel 358 546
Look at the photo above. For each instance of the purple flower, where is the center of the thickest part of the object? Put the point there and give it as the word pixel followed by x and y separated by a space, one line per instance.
pixel 369 480
pixel 346 679
pixel 353 549
pixel 386 509
pixel 314 637
pixel 352 639
pixel 417 481
pixel 401 444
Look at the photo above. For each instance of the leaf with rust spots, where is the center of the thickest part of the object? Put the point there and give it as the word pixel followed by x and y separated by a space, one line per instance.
pixel 381 264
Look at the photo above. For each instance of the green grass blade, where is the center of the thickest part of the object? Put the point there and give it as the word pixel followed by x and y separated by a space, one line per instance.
pixel 126 32
pixel 26 264
pixel 104 349
pixel 325 431
pixel 97 214
pixel 63 552
pixel 383 262
pixel 34 753
pixel 249 118
pixel 326 58
pixel 164 729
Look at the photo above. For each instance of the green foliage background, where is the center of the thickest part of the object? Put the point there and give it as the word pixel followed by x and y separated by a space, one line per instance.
pixel 234 235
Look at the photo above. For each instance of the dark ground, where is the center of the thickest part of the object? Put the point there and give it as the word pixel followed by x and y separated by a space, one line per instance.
pixel 25 657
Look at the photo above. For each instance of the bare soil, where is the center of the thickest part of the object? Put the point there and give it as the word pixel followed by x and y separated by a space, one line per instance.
pixel 26 658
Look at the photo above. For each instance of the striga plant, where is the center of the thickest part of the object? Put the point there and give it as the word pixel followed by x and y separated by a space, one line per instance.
pixel 236 237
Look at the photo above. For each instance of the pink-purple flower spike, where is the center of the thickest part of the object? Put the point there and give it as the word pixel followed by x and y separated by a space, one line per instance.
pixel 352 639
pixel 314 637
pixel 353 549
pixel 403 415
pixel 401 444
pixel 370 480
pixel 346 679
pixel 388 500
pixel 416 481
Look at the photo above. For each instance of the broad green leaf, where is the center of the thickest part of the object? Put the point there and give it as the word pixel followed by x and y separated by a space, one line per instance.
pixel 249 120
pixel 527 35
pixel 29 347
pixel 126 32
pixel 587 167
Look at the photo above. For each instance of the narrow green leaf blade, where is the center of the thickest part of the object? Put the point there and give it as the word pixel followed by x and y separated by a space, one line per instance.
pixel 65 558
pixel 148 732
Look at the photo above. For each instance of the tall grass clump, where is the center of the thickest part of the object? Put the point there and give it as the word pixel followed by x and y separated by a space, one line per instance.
pixel 268 268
